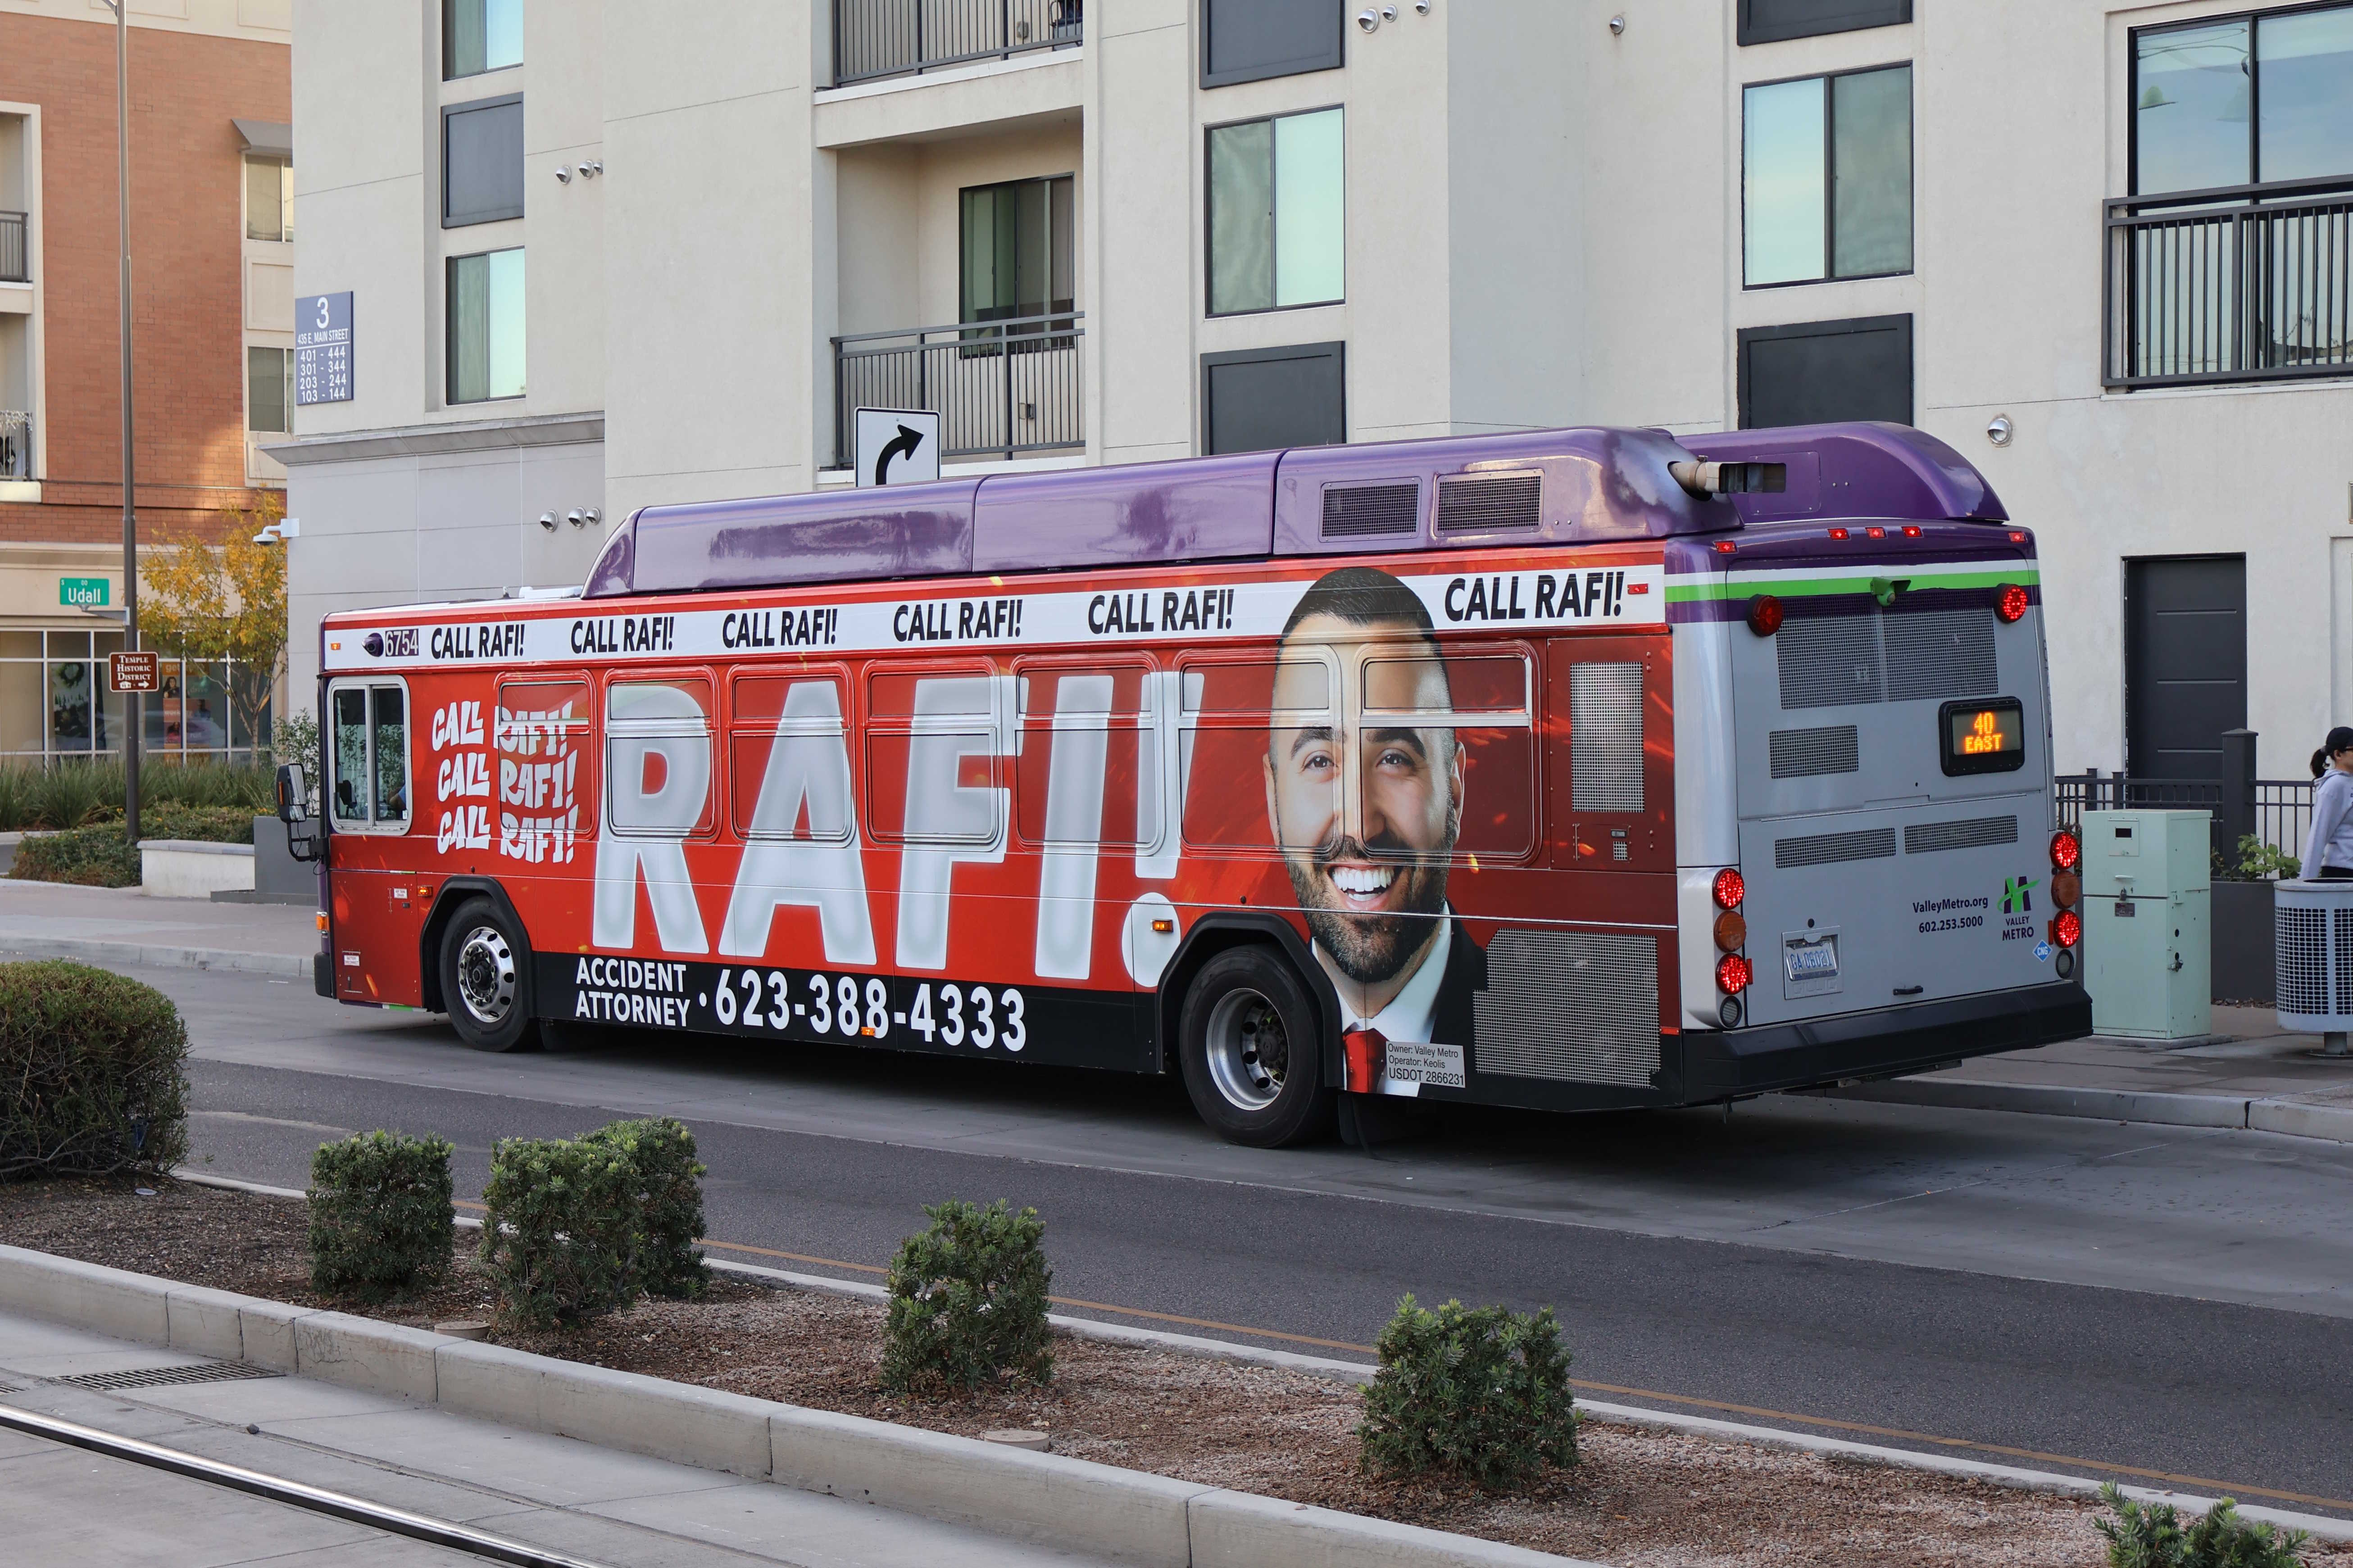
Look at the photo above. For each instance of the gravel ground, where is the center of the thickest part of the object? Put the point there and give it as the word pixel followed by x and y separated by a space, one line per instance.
pixel 1638 1498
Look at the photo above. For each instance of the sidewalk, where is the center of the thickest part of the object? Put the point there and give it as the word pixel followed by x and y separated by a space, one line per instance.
pixel 124 925
pixel 61 1505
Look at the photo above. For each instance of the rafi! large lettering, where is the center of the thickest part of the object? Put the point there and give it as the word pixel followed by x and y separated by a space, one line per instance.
pixel 657 741
pixel 808 764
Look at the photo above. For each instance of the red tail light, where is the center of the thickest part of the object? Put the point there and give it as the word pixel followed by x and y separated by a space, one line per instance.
pixel 2066 928
pixel 1911 530
pixel 1875 534
pixel 1764 615
pixel 1729 888
pixel 2066 853
pixel 1732 974
pixel 2011 605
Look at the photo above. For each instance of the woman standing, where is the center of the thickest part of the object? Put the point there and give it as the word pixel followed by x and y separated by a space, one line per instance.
pixel 2328 852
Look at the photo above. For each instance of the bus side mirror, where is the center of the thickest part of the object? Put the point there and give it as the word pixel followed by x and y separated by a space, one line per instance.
pixel 293 794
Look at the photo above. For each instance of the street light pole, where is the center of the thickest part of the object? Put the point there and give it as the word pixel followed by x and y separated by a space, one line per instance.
pixel 134 706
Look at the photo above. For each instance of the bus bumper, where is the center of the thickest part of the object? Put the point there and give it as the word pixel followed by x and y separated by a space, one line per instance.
pixel 1884 1043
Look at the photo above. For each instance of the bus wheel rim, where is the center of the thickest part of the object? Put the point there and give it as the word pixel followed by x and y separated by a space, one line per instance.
pixel 486 975
pixel 1249 1052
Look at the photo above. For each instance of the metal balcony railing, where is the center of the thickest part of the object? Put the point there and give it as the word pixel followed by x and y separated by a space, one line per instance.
pixel 15 263
pixel 999 387
pixel 897 38
pixel 2242 283
pixel 16 445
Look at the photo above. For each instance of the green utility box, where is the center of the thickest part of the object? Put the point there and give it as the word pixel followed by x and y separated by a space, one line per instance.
pixel 2147 923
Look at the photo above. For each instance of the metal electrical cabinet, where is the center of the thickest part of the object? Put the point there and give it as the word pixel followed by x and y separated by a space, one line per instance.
pixel 2148 947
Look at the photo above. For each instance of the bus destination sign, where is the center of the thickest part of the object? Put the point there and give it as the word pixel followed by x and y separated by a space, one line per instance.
pixel 1985 737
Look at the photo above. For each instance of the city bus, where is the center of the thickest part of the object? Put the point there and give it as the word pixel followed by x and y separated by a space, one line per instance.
pixel 1580 769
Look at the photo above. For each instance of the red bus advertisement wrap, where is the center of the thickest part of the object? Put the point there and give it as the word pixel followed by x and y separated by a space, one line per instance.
pixel 1021 816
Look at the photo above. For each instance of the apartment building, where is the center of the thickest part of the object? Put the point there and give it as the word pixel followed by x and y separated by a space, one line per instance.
pixel 601 256
pixel 213 293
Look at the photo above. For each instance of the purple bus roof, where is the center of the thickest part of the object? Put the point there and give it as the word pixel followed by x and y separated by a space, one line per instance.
pixel 1546 487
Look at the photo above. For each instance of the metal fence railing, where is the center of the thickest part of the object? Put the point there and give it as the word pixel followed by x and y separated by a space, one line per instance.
pixel 2235 284
pixel 1000 387
pixel 16 445
pixel 896 38
pixel 16 261
pixel 2277 812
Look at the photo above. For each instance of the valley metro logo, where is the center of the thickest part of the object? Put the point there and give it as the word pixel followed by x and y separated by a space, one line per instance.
pixel 2015 899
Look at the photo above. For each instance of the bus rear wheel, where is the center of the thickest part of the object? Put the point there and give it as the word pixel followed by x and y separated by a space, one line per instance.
pixel 1251 1052
pixel 486 978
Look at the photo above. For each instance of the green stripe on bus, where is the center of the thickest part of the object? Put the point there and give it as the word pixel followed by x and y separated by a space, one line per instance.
pixel 1800 587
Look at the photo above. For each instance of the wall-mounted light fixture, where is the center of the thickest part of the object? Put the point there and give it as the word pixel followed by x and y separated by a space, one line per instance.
pixel 592 168
pixel 1998 430
pixel 1616 25
pixel 547 521
pixel 562 175
pixel 1370 21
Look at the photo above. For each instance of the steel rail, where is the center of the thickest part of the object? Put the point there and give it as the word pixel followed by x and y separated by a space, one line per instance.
pixel 317 1500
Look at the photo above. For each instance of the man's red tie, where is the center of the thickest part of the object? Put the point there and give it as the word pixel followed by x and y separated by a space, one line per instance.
pixel 1367 1052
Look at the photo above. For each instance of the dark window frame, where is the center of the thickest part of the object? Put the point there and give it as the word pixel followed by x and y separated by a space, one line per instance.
pixel 449 71
pixel 449 397
pixel 1840 326
pixel 1210 78
pixel 2254 19
pixel 1274 240
pixel 1751 31
pixel 1829 178
pixel 1336 350
pixel 496 214
pixel 964 313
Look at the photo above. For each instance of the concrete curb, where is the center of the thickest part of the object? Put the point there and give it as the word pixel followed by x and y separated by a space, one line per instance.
pixel 2297 1118
pixel 1069 1503
pixel 278 965
pixel 1362 1373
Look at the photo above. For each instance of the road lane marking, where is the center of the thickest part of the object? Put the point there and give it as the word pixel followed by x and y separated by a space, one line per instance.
pixel 2206 1483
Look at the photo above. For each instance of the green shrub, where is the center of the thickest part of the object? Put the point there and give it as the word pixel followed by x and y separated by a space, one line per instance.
pixel 91 856
pixel 81 794
pixel 381 1218
pixel 90 1073
pixel 2151 1536
pixel 668 1192
pixel 1484 1394
pixel 559 1230
pixel 968 1300
pixel 73 795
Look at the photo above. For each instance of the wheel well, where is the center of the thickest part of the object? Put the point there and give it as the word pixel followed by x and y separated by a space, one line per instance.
pixel 453 893
pixel 1222 932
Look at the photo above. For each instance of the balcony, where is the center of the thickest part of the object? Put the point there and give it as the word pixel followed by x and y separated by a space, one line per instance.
pixel 14 262
pixel 1001 388
pixel 875 38
pixel 16 445
pixel 2245 283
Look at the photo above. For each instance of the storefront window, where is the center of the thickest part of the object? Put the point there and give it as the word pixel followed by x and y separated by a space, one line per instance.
pixel 54 703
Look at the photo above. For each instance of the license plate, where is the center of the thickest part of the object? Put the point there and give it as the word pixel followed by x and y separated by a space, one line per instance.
pixel 1811 960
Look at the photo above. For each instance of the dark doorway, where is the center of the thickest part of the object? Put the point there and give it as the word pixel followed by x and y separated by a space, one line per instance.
pixel 1814 372
pixel 2185 663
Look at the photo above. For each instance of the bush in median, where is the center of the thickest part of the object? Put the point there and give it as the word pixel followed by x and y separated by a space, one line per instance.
pixel 90 1073
pixel 968 1300
pixel 1482 1393
pixel 558 1227
pixel 381 1218
pixel 668 1192
pixel 2152 1536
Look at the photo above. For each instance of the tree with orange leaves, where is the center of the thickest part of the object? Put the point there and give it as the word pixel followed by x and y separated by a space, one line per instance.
pixel 226 602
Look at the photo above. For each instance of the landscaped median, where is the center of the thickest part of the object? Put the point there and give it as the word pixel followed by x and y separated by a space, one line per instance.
pixel 1069 1503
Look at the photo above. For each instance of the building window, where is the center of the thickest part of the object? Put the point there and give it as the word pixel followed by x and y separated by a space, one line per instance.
pixel 1249 40
pixel 1018 250
pixel 481 161
pixel 1277 231
pixel 2241 101
pixel 485 326
pixel 54 703
pixel 269 199
pixel 268 389
pixel 1769 21
pixel 1260 399
pixel 1819 372
pixel 1826 177
pixel 480 35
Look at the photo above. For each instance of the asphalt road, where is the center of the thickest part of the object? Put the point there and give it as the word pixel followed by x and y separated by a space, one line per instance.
pixel 2060 1293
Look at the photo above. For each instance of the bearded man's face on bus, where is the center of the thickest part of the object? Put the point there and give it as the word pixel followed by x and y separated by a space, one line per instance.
pixel 1367 808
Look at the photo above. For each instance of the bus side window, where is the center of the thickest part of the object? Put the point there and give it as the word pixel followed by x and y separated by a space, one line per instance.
pixel 789 760
pixel 934 748
pixel 1477 704
pixel 371 757
pixel 1245 722
pixel 657 758
pixel 1086 771
pixel 541 755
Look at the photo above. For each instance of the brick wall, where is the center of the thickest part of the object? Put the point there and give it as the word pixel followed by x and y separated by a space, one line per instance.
pixel 187 243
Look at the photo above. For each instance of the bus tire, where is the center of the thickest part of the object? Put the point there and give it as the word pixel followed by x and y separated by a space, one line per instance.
pixel 1252 1050
pixel 486 978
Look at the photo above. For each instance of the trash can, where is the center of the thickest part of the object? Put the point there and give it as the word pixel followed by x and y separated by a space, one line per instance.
pixel 2312 942
pixel 2149 954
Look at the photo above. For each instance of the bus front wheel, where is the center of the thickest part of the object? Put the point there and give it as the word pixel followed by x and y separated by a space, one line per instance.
pixel 1251 1052
pixel 486 978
